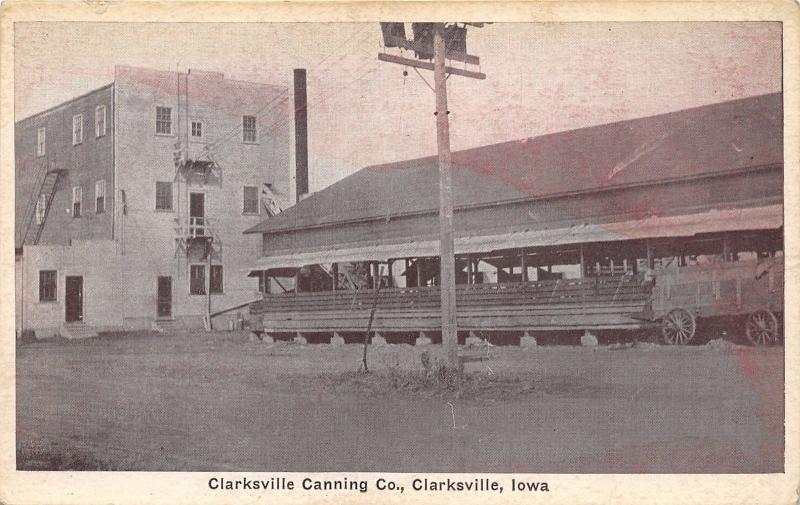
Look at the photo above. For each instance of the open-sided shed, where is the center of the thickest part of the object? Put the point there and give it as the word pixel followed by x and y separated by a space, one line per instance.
pixel 698 186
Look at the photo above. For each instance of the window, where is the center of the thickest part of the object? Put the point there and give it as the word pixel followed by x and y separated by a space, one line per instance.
pixel 40 142
pixel 163 121
pixel 77 129
pixel 215 280
pixel 248 128
pixel 41 208
pixel 197 129
pixel 250 200
pixel 47 285
pixel 100 121
pixel 77 196
pixel 163 195
pixel 197 280
pixel 100 196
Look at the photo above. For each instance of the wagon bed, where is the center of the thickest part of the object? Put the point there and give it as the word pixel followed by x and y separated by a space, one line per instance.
pixel 749 290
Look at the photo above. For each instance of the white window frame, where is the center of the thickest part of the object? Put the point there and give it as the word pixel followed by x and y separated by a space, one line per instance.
pixel 258 202
pixel 41 141
pixel 77 197
pixel 171 196
pixel 55 287
pixel 205 288
pixel 246 131
pixel 99 190
pixel 221 290
pixel 100 121
pixel 41 208
pixel 191 129
pixel 167 122
pixel 77 129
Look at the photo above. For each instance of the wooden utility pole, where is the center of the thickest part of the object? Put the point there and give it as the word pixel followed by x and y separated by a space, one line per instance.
pixel 446 247
pixel 394 36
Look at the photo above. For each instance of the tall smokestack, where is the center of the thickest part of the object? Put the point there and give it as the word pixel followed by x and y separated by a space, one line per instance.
pixel 300 132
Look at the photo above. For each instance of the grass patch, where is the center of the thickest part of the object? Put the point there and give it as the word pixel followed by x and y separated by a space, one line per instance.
pixel 434 380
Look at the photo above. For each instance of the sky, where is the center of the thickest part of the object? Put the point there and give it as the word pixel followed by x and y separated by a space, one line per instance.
pixel 541 77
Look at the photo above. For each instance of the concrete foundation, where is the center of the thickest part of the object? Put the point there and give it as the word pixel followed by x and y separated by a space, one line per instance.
pixel 527 341
pixel 378 340
pixel 472 340
pixel 265 339
pixel 588 340
pixel 423 340
pixel 336 340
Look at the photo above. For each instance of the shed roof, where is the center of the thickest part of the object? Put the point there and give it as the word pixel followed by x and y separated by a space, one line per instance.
pixel 694 142
pixel 754 218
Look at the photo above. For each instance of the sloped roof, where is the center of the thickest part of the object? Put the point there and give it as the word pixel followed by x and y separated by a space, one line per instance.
pixel 694 142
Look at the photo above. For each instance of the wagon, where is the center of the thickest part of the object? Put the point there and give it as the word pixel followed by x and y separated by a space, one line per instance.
pixel 748 292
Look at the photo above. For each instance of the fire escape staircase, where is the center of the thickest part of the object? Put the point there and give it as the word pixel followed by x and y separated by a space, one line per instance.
pixel 46 184
pixel 198 235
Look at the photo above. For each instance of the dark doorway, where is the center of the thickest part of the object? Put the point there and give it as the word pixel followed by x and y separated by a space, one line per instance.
pixel 197 213
pixel 164 296
pixel 73 300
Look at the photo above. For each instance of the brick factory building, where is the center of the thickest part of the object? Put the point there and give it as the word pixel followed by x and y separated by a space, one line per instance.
pixel 131 201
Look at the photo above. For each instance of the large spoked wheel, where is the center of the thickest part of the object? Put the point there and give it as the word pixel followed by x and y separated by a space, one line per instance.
pixel 761 328
pixel 678 327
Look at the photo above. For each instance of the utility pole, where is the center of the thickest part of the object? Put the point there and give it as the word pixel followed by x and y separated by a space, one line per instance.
pixel 446 246
pixel 443 42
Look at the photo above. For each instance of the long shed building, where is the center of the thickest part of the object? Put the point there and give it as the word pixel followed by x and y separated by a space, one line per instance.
pixel 606 204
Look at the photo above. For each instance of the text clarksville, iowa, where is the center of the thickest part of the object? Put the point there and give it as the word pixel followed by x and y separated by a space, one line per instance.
pixel 380 484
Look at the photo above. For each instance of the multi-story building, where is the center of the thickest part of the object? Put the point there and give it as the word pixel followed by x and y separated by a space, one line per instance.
pixel 131 200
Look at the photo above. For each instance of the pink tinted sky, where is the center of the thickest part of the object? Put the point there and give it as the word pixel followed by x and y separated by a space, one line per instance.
pixel 541 77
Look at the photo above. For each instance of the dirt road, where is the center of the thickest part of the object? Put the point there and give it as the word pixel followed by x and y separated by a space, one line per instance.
pixel 221 402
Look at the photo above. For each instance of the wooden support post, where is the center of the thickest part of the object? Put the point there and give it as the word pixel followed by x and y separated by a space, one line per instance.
pixel 208 287
pixel 726 248
pixel 524 266
pixel 335 276
pixel 583 262
pixel 418 268
pixel 390 276
pixel 470 273
pixel 650 261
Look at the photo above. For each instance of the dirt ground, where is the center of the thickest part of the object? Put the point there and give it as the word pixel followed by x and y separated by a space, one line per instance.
pixel 205 402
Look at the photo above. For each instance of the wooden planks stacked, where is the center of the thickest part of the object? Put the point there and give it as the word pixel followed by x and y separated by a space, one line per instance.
pixel 601 303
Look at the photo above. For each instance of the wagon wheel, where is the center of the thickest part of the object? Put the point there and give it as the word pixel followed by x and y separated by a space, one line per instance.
pixel 678 327
pixel 761 328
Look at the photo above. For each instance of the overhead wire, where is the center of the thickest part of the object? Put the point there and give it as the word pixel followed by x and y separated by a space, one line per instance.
pixel 262 112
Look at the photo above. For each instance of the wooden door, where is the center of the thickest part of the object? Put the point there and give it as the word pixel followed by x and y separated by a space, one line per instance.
pixel 164 303
pixel 73 299
pixel 197 214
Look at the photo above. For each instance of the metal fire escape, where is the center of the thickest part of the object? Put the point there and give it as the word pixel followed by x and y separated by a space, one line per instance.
pixel 35 216
pixel 194 166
